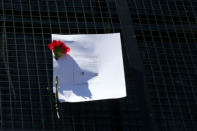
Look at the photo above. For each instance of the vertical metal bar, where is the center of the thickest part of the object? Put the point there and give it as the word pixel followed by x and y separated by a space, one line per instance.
pixel 3 54
pixel 36 63
pixel 12 5
pixel 11 88
pixel 137 69
pixel 50 89
pixel 2 48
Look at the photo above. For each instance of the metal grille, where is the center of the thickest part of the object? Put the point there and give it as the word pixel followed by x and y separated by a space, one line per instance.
pixel 166 36
pixel 26 98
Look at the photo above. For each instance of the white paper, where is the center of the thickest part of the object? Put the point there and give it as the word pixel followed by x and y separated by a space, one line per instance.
pixel 92 70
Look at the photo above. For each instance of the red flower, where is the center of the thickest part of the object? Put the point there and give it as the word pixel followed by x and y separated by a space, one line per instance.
pixel 60 45
pixel 58 48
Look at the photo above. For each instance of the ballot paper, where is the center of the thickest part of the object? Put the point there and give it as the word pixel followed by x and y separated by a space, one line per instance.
pixel 92 70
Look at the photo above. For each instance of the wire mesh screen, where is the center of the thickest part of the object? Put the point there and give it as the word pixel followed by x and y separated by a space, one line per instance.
pixel 26 98
pixel 166 36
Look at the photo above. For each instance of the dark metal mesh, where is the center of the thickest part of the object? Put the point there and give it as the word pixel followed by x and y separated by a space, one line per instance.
pixel 166 36
pixel 26 98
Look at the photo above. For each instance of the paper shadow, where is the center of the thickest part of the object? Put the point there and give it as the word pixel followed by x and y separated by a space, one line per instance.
pixel 71 78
